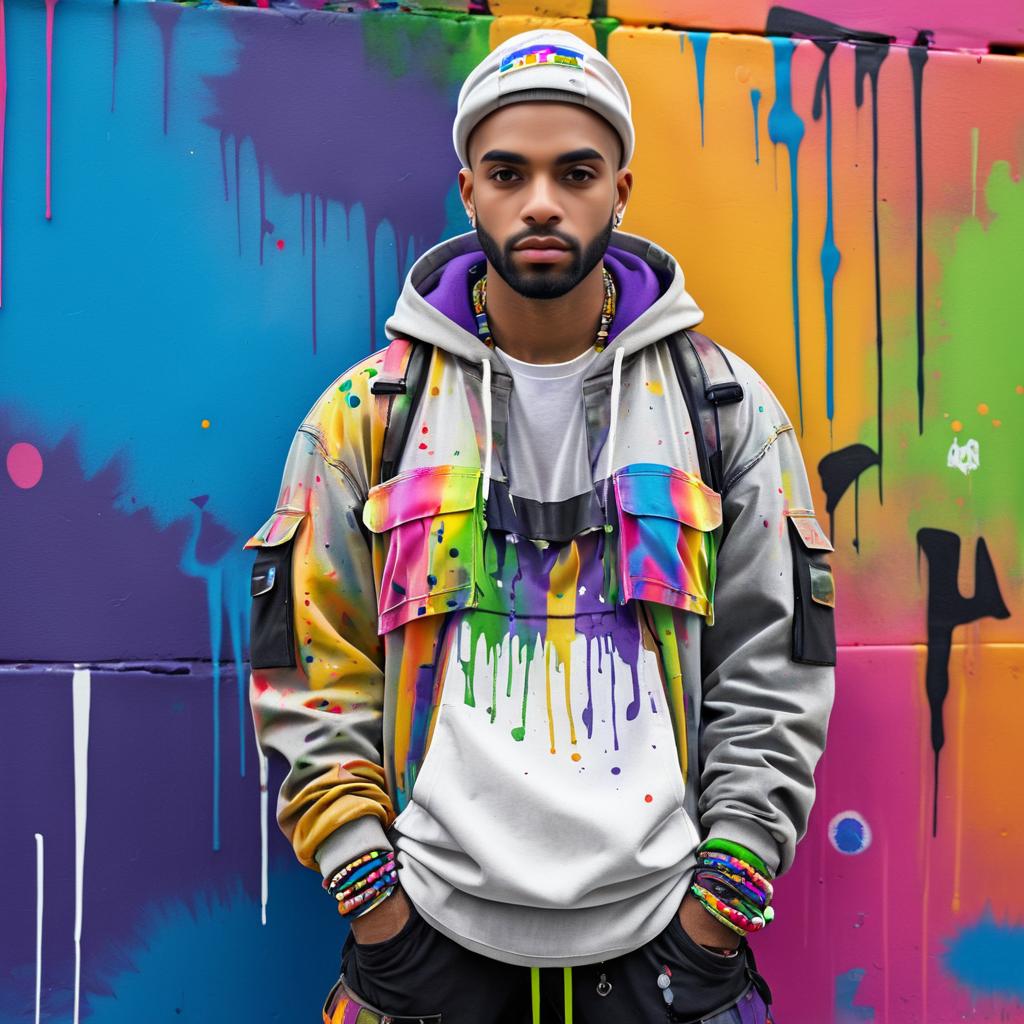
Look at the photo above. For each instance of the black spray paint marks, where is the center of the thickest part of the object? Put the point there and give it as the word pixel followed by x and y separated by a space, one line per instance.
pixel 782 21
pixel 947 609
pixel 918 55
pixel 837 471
pixel 868 62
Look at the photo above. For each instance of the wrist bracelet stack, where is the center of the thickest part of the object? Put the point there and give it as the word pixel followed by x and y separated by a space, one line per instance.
pixel 733 886
pixel 364 883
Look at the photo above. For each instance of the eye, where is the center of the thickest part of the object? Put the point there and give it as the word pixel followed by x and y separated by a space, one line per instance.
pixel 495 175
pixel 581 175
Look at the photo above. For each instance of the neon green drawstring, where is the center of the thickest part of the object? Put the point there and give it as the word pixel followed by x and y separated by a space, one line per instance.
pixel 566 989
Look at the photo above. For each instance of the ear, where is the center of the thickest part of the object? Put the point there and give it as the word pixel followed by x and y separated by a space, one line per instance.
pixel 466 191
pixel 623 190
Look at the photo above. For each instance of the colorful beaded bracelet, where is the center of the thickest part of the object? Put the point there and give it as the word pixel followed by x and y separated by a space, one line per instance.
pixel 733 886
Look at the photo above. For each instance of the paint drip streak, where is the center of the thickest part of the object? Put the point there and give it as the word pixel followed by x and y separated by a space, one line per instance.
pixel 115 22
pixel 81 695
pixel 312 235
pixel 261 175
pixel 51 6
pixel 755 102
pixel 264 835
pixel 238 198
pixel 879 337
pixel 40 888
pixel 785 126
pixel 699 44
pixel 3 131
pixel 918 58
pixel 830 256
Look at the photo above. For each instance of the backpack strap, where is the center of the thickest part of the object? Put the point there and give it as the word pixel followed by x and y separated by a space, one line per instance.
pixel 707 381
pixel 400 384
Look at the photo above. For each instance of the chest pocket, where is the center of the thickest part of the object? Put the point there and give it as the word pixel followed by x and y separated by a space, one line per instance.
pixel 668 537
pixel 427 526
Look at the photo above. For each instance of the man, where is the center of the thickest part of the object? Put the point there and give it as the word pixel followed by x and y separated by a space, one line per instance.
pixel 529 668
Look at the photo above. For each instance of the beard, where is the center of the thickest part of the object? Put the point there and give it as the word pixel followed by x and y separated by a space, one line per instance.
pixel 544 281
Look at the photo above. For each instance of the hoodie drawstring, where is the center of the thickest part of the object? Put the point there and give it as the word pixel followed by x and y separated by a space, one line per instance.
pixel 488 429
pixel 566 992
pixel 613 422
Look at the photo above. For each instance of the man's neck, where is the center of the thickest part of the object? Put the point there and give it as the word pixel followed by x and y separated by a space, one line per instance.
pixel 545 330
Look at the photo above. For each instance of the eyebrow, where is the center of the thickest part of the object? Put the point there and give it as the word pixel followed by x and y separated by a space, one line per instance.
pixel 504 156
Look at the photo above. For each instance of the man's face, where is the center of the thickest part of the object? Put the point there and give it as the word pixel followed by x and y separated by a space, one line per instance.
pixel 544 188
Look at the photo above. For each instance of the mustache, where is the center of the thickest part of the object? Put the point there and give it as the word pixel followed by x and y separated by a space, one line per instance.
pixel 570 243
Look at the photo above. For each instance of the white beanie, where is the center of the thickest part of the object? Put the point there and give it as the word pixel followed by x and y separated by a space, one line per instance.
pixel 545 64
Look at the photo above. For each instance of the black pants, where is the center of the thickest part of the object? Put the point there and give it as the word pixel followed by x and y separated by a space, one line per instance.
pixel 421 974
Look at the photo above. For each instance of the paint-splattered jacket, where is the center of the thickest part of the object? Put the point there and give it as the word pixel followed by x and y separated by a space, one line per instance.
pixel 544 705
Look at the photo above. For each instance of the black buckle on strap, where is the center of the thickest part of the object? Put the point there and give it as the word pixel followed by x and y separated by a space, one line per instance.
pixel 388 386
pixel 724 394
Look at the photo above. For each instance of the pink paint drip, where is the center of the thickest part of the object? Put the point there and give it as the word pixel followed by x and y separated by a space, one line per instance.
pixel 50 8
pixel 3 129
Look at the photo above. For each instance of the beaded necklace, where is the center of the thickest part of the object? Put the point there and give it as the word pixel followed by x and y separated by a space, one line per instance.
pixel 483 328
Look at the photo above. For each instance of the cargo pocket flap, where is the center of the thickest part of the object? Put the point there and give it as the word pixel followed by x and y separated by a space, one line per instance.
pixel 814 631
pixel 271 631
pixel 668 493
pixel 420 494
pixel 808 530
pixel 280 527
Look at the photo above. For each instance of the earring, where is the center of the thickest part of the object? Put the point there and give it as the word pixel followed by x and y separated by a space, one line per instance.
pixel 618 219
pixel 472 219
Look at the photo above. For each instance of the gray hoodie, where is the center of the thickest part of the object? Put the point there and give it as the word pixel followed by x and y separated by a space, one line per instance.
pixel 546 705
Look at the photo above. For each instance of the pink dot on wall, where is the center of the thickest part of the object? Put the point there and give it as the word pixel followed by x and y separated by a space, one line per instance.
pixel 24 464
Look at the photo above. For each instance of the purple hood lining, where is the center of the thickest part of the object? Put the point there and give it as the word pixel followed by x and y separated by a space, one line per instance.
pixel 637 285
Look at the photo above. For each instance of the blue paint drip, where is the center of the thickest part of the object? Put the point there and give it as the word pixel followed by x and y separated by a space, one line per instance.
pixel 830 256
pixel 986 957
pixel 846 986
pixel 784 125
pixel 699 44
pixel 755 102
pixel 225 576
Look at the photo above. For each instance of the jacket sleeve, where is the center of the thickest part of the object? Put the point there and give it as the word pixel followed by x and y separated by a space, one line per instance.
pixel 317 681
pixel 768 676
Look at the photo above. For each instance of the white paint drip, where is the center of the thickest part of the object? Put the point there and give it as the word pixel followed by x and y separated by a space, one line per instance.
pixel 81 693
pixel 39 923
pixel 966 458
pixel 264 812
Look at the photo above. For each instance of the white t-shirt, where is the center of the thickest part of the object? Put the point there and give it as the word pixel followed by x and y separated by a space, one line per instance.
pixel 547 428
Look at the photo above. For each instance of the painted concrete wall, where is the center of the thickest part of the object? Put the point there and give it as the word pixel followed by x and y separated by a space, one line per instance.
pixel 206 216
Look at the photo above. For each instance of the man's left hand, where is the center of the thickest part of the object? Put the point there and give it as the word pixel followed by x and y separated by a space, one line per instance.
pixel 702 927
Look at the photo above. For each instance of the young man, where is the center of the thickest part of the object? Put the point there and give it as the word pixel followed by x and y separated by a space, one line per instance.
pixel 547 650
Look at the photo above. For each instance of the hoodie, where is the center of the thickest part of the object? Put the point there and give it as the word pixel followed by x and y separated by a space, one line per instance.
pixel 544 703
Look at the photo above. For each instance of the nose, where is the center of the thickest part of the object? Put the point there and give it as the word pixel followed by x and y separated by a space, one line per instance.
pixel 541 205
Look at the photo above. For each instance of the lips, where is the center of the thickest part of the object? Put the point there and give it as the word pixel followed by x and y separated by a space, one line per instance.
pixel 541 250
pixel 541 243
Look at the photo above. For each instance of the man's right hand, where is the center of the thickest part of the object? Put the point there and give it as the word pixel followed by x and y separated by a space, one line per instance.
pixel 383 921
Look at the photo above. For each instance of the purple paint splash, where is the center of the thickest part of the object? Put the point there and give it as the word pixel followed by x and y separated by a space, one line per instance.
pixel 326 120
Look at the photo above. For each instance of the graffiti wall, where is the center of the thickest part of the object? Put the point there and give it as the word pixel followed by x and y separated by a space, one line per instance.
pixel 207 212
